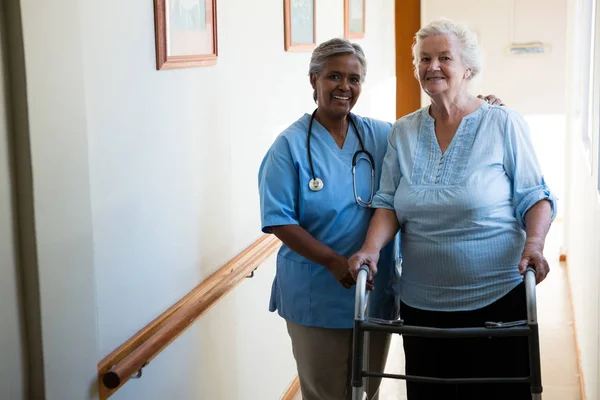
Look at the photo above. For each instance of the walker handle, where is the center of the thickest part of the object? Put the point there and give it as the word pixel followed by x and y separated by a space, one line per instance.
pixel 535 364
pixel 530 294
pixel 360 337
pixel 362 295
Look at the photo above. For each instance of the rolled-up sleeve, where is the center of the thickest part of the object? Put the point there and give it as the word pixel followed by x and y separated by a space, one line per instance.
pixel 390 174
pixel 278 187
pixel 522 167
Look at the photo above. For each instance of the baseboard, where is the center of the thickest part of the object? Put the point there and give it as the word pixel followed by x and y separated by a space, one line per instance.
pixel 291 390
pixel 577 348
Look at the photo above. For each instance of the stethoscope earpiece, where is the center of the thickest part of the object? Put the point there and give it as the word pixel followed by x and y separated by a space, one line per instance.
pixel 315 184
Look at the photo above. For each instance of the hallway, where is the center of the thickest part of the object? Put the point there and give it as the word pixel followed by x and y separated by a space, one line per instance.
pixel 559 362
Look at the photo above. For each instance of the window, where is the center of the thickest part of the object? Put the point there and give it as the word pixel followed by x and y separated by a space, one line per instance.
pixel 586 101
pixel 587 49
pixel 593 132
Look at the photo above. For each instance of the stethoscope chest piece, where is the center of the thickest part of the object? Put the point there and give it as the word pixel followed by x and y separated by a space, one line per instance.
pixel 315 184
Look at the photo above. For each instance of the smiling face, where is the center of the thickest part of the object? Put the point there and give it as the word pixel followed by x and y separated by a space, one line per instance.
pixel 338 86
pixel 440 66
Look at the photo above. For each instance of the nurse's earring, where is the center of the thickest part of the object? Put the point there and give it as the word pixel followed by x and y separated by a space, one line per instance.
pixel 315 184
pixel 313 83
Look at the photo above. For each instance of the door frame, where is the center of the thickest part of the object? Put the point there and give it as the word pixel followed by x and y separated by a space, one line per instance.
pixel 407 23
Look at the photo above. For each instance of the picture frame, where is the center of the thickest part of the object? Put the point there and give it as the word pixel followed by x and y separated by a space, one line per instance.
pixel 300 26
pixel 186 33
pixel 354 19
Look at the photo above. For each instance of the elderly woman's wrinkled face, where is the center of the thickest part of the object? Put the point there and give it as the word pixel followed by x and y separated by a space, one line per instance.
pixel 338 86
pixel 440 66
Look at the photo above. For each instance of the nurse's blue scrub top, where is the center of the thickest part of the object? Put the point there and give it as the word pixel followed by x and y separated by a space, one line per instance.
pixel 304 292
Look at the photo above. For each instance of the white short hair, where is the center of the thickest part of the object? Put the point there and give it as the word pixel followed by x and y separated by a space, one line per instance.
pixel 470 52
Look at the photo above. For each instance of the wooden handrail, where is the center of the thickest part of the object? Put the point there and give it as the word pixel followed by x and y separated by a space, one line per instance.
pixel 129 358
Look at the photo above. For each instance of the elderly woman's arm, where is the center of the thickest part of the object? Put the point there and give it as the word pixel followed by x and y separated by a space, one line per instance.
pixel 534 203
pixel 537 223
pixel 383 227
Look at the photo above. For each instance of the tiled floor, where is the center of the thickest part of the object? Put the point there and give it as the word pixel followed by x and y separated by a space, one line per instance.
pixel 559 364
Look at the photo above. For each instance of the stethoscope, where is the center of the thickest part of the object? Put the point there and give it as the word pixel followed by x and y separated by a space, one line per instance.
pixel 316 184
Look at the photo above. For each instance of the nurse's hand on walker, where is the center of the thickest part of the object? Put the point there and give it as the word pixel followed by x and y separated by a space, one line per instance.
pixel 365 256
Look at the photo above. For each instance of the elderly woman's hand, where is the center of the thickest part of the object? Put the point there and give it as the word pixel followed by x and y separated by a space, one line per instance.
pixel 533 255
pixel 490 98
pixel 364 256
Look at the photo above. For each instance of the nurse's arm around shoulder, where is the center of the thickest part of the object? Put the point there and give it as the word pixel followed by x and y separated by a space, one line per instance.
pixel 383 227
pixel 300 241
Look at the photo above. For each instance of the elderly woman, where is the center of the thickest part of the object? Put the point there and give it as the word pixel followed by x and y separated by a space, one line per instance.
pixel 461 181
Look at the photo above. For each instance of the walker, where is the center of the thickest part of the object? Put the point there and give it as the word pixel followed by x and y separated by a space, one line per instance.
pixel 363 324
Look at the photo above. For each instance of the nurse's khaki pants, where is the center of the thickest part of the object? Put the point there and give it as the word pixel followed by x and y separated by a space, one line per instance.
pixel 324 361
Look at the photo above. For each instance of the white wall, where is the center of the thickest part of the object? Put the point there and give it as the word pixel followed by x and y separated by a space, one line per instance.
pixel 529 84
pixel 145 182
pixel 12 371
pixel 57 141
pixel 582 239
pixel 582 227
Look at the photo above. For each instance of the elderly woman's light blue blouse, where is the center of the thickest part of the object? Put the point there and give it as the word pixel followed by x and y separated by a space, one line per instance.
pixel 461 212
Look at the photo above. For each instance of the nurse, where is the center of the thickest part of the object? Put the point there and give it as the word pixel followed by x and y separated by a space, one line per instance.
pixel 321 222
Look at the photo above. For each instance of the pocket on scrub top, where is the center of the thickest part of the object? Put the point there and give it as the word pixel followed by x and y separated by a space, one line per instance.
pixel 293 283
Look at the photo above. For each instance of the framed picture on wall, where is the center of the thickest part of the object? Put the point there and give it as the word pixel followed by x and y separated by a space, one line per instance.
pixel 186 33
pixel 299 21
pixel 354 19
